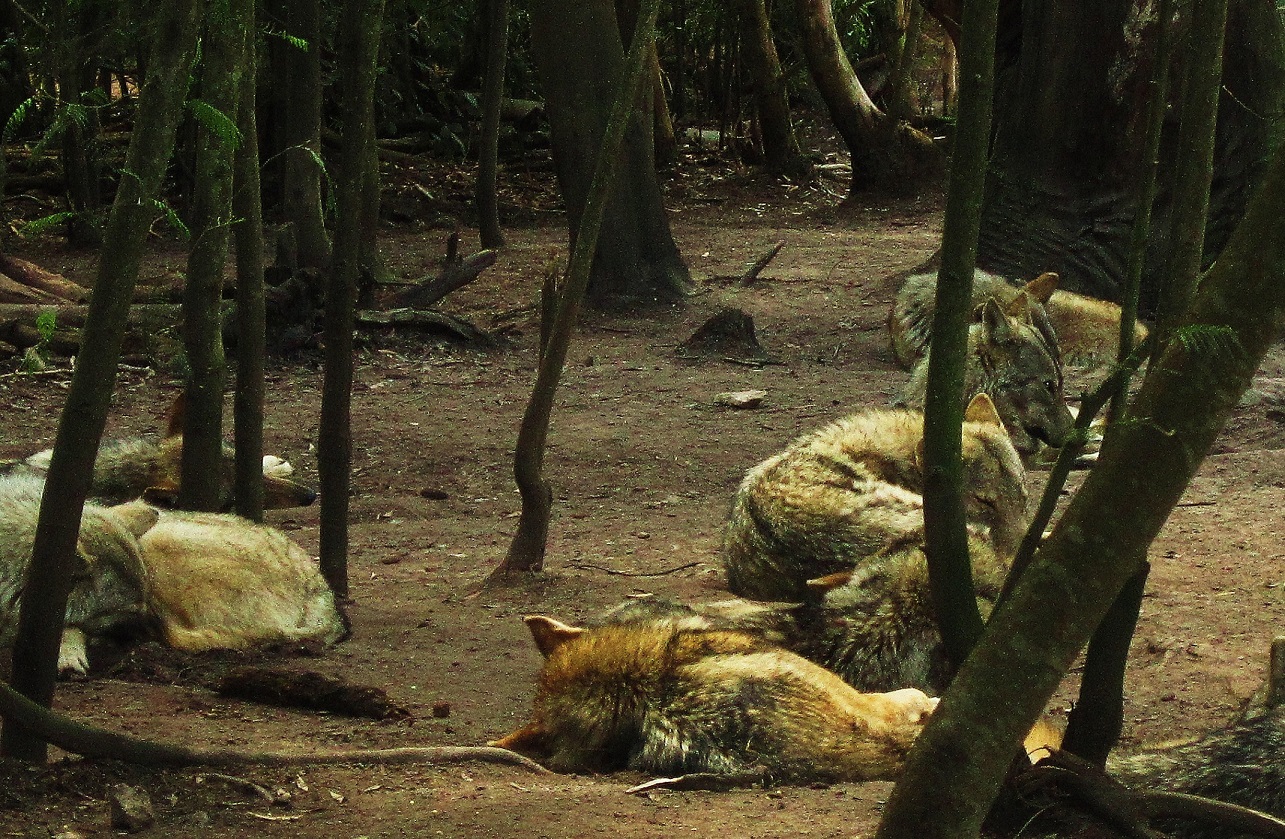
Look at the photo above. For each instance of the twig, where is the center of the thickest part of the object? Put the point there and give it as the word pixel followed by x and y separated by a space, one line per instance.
pixel 752 273
pixel 244 784
pixel 588 566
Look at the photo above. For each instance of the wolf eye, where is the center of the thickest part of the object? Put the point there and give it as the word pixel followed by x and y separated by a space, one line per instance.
pixel 1050 385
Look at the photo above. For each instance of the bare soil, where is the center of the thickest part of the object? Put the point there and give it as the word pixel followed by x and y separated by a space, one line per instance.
pixel 644 462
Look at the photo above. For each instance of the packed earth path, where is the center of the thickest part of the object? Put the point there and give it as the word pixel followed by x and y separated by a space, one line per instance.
pixel 644 459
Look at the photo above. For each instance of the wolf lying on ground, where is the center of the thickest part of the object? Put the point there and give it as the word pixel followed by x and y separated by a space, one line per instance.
pixel 653 695
pixel 131 468
pixel 201 580
pixel 853 490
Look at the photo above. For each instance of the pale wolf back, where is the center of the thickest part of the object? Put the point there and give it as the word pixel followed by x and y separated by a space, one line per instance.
pixel 222 582
pixel 130 468
pixel 652 696
pixel 1087 329
pixel 1013 359
pixel 109 581
pixel 852 490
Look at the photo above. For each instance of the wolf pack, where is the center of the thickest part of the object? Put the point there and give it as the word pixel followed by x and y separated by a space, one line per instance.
pixel 824 661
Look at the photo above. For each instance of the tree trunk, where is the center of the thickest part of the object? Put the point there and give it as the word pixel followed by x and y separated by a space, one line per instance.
pixel 903 103
pixel 358 53
pixel 526 552
pixel 945 523
pixel 300 137
pixel 250 319
pixel 84 414
pixel 497 37
pixel 780 147
pixel 949 79
pixel 222 50
pixel 637 259
pixel 1069 122
pixel 957 764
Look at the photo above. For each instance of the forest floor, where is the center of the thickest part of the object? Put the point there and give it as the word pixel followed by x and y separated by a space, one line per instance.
pixel 644 462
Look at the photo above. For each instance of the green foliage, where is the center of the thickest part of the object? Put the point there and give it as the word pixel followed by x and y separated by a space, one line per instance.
pixel 36 358
pixel 44 224
pixel 167 213
pixel 47 324
pixel 298 43
pixel 216 122
pixel 1206 343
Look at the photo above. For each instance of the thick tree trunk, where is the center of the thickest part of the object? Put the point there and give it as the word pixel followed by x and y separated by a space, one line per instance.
pixel 956 766
pixel 780 147
pixel 84 415
pixel 1069 121
pixel 497 37
pixel 637 259
pixel 300 133
pixel 358 53
pixel 222 50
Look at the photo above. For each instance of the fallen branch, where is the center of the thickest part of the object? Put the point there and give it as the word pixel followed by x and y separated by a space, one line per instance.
pixel 456 272
pixel 426 320
pixel 92 742
pixel 751 274
pixel 590 567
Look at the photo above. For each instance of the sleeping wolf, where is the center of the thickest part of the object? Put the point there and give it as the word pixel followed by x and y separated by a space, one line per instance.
pixel 128 469
pixel 109 585
pixel 656 696
pixel 1014 358
pixel 853 490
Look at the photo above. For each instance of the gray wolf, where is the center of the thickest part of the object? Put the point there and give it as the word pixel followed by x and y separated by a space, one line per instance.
pixel 218 581
pixel 652 695
pixel 131 468
pixel 1087 329
pixel 109 589
pixel 1014 358
pixel 852 490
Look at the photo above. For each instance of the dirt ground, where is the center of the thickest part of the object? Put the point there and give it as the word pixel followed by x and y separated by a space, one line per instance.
pixel 644 463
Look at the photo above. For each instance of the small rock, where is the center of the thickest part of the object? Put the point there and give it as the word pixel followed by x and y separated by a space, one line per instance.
pixel 441 709
pixel 433 494
pixel 131 808
pixel 741 398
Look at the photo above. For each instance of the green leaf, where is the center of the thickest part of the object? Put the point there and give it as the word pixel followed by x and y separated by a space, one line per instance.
pixel 216 122
pixel 44 224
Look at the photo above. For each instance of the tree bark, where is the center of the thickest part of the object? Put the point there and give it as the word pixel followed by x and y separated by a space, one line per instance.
pixel 251 341
pixel 780 147
pixel 84 414
pixel 358 53
pixel 497 37
pixel 945 523
pixel 1069 122
pixel 957 764
pixel 637 260
pixel 300 126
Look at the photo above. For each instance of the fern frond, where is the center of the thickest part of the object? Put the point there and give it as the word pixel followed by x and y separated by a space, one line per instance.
pixel 216 122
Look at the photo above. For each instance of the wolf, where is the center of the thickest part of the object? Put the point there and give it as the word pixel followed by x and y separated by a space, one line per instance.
pixel 653 695
pixel 853 490
pixel 1087 329
pixel 1014 359
pixel 218 581
pixel 131 468
pixel 109 588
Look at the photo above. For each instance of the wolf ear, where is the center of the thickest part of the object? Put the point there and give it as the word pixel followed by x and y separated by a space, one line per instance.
pixel 137 516
pixel 1042 287
pixel 998 325
pixel 174 416
pixel 1020 307
pixel 981 409
pixel 161 495
pixel 830 581
pixel 549 634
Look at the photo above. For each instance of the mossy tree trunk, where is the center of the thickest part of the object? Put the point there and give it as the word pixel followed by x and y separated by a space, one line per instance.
pixel 956 766
pixel 780 146
pixel 222 54
pixel 84 415
pixel 300 132
pixel 637 260
pixel 250 317
pixel 497 37
pixel 358 53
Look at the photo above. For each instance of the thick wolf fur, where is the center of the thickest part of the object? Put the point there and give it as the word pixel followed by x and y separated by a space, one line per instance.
pixel 654 696
pixel 1014 359
pixel 853 490
pixel 1087 329
pixel 222 582
pixel 109 580
pixel 131 468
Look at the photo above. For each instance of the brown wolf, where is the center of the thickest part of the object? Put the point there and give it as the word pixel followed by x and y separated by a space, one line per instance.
pixel 219 581
pixel 1014 359
pixel 1087 329
pixel 852 490
pixel 651 695
pixel 109 581
pixel 128 469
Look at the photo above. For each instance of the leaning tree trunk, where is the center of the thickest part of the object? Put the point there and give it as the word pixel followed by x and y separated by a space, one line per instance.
pixel 358 52
pixel 40 620
pixel 956 766
pixel 250 317
pixel 1069 122
pixel 637 259
pixel 780 146
pixel 883 156
pixel 222 51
